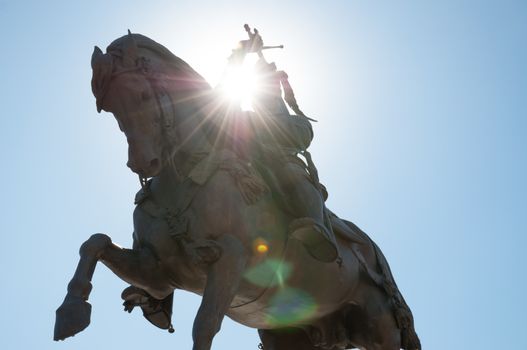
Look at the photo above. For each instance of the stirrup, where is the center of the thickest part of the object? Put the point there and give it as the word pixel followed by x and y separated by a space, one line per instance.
pixel 315 239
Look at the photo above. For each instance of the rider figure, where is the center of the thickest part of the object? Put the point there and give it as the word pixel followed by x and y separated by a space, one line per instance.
pixel 300 189
pixel 254 44
pixel 297 183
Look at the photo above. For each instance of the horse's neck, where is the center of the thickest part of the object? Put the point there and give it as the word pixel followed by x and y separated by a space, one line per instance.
pixel 190 121
pixel 190 146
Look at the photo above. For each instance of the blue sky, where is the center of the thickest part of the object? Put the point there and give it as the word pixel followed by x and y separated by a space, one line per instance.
pixel 421 141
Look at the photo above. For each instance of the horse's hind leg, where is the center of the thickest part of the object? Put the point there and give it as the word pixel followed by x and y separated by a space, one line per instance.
pixel 286 339
pixel 137 267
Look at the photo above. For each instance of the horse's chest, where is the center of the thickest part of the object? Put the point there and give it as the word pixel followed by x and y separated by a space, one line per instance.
pixel 153 232
pixel 175 238
pixel 175 252
pixel 167 224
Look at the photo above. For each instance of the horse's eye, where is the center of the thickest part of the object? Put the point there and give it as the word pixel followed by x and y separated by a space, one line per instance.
pixel 146 95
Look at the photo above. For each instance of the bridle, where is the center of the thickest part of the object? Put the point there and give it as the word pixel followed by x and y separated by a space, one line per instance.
pixel 164 103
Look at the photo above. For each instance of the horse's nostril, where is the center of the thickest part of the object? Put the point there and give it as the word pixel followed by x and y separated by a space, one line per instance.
pixel 147 168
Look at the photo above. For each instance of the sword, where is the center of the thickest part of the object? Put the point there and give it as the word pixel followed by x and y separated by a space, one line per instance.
pixel 272 47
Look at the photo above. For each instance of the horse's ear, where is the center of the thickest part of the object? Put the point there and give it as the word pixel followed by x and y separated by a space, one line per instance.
pixel 97 52
pixel 102 66
pixel 130 51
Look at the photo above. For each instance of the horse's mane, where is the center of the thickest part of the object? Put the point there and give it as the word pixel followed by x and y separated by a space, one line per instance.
pixel 185 71
pixel 196 89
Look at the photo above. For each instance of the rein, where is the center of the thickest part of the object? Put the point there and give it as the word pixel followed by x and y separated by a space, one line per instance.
pixel 162 100
pixel 143 181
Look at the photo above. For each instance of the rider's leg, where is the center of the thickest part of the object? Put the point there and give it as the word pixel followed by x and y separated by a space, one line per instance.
pixel 306 203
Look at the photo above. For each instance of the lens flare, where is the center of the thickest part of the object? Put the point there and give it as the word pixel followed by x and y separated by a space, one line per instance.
pixel 238 84
pixel 269 273
pixel 289 306
pixel 260 246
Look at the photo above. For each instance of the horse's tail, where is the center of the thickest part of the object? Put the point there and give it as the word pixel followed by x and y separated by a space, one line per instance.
pixel 403 314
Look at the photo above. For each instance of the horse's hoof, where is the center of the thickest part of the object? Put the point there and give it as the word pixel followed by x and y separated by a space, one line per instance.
pixel 72 317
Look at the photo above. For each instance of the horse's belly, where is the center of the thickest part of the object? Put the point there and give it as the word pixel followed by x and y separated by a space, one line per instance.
pixel 304 290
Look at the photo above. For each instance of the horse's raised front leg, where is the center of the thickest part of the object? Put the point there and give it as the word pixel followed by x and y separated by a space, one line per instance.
pixel 137 267
pixel 223 279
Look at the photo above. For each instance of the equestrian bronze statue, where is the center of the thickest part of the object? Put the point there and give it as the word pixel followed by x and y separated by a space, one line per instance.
pixel 231 208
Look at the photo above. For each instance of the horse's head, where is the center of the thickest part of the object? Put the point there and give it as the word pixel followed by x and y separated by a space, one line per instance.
pixel 140 82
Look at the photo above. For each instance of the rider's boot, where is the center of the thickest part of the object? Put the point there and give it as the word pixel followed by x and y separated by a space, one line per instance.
pixel 317 240
pixel 306 203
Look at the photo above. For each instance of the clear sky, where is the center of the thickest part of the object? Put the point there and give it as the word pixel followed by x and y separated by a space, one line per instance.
pixel 421 141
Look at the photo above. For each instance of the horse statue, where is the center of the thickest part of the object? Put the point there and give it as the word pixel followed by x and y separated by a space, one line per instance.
pixel 207 221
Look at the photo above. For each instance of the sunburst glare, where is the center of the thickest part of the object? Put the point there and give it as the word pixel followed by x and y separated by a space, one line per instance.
pixel 239 83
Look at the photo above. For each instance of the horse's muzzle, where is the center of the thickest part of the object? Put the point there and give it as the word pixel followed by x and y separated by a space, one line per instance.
pixel 148 169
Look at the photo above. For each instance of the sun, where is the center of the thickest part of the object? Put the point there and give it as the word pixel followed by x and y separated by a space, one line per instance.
pixel 239 83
